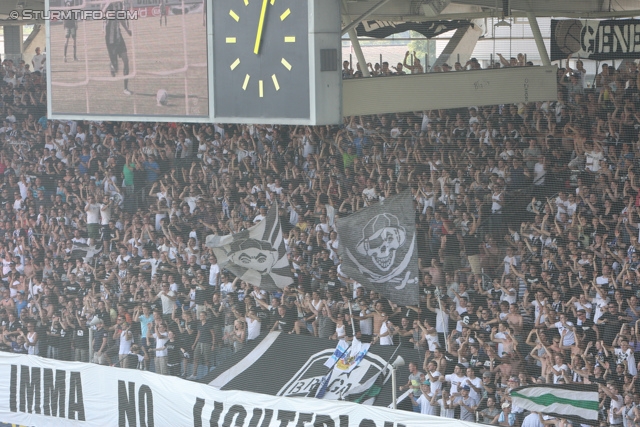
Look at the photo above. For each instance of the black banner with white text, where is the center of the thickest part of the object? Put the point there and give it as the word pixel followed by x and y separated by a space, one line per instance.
pixel 595 39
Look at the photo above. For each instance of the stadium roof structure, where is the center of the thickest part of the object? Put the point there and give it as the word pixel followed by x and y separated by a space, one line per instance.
pixel 430 10
pixel 434 10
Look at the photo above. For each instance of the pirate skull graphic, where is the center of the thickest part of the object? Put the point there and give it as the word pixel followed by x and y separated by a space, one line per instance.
pixel 381 238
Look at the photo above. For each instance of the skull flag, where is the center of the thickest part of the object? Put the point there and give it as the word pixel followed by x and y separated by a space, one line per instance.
pixel 378 248
pixel 256 255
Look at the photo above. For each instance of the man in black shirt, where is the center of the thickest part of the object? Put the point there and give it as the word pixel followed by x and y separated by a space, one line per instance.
pixel 283 320
pixel 325 264
pixel 82 288
pixel 11 325
pixel 203 345
pixel 81 341
pixel 406 332
pixel 586 327
pixel 100 344
pixel 72 287
pixel 175 353
pixel 53 338
pixel 609 323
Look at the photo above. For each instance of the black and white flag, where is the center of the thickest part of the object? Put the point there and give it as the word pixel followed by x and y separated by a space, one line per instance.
pixel 378 248
pixel 84 251
pixel 256 255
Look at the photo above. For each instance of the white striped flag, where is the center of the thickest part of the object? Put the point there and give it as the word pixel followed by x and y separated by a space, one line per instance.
pixel 578 402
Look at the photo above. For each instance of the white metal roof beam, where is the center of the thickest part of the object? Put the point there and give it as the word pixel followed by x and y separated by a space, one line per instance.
pixel 493 14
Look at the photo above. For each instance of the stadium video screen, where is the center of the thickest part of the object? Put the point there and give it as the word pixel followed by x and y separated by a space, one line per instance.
pixel 112 59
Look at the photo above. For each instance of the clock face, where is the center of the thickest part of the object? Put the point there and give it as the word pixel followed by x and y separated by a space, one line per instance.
pixel 261 58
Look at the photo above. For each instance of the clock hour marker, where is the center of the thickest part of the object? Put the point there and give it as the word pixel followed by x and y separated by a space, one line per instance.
pixel 286 64
pixel 246 2
pixel 234 15
pixel 290 39
pixel 260 88
pixel 275 82
pixel 231 40
pixel 235 63
pixel 273 2
pixel 246 82
pixel 285 14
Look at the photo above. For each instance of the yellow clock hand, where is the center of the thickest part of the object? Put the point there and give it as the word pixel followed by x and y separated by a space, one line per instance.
pixel 263 12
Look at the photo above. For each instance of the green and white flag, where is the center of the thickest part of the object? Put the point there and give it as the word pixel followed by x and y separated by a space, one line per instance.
pixel 578 402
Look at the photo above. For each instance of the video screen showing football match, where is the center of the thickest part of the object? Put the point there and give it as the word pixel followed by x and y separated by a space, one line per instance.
pixel 115 59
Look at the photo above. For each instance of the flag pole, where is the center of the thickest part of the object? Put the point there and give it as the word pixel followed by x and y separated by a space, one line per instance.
pixel 353 326
pixel 391 358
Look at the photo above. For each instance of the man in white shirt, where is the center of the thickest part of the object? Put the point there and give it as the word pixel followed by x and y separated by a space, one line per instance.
pixel 509 259
pixel 538 303
pixel 593 154
pixel 624 354
pixel 558 368
pixel 600 300
pixel 617 402
pixel 457 379
pixel 152 262
pixel 433 377
pixel 105 211
pixel 214 271
pixel 168 298
pixel 509 293
pixel 532 420
pixel 77 238
pixel 253 324
pixel 262 215
pixel 38 61
pixel 424 402
pixel 369 193
pixel 161 336
pixel 93 219
pixel 475 384
pixel 566 330
pixel 226 285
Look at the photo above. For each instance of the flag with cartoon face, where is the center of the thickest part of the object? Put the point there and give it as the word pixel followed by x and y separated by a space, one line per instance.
pixel 256 255
pixel 378 248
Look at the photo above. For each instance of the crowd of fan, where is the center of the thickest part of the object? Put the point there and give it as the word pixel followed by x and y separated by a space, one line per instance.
pixel 412 65
pixel 527 219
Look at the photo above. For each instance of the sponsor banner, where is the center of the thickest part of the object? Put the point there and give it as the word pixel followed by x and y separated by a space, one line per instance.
pixel 39 391
pixel 378 248
pixel 595 39
pixel 129 4
pixel 156 11
pixel 144 8
pixel 384 29
pixel 256 255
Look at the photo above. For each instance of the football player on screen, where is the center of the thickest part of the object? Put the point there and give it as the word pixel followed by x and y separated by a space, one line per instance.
pixel 70 30
pixel 116 46
pixel 163 12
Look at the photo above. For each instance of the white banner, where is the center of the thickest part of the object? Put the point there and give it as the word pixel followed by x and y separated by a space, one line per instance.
pixel 36 391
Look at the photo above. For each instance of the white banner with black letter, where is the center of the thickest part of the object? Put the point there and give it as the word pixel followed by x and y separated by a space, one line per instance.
pixel 36 391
